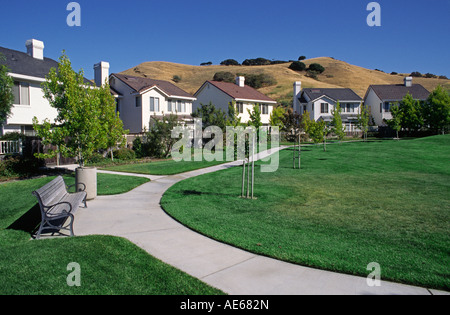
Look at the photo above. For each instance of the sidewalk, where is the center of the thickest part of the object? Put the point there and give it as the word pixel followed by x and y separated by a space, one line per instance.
pixel 138 217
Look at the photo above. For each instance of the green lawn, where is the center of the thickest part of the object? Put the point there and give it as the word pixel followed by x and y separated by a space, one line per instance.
pixel 357 203
pixel 109 265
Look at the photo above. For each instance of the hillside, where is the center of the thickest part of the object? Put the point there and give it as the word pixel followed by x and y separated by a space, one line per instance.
pixel 337 74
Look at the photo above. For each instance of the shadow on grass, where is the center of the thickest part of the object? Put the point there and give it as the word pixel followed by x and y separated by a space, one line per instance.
pixel 29 222
pixel 201 193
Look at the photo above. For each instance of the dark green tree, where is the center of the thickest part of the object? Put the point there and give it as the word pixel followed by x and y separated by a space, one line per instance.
pixel 436 110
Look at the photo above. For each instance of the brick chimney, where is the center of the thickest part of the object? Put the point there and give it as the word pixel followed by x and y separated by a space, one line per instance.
pixel 35 48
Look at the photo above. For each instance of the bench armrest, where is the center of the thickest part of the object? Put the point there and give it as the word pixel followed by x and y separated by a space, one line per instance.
pixel 84 187
pixel 58 215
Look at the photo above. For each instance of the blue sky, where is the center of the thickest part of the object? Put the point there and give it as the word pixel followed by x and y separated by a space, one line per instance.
pixel 413 35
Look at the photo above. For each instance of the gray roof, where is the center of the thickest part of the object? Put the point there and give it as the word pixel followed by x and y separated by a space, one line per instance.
pixel 335 94
pixel 22 63
pixel 399 91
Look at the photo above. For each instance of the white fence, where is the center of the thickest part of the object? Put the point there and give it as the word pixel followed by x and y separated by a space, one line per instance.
pixel 10 147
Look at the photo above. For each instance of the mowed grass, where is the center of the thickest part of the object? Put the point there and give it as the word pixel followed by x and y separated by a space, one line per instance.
pixel 109 265
pixel 382 201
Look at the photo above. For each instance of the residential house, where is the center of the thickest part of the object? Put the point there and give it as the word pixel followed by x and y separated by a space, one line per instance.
pixel 380 98
pixel 139 99
pixel 321 103
pixel 28 71
pixel 222 94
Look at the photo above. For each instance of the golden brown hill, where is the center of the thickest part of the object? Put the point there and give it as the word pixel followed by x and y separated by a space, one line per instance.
pixel 337 74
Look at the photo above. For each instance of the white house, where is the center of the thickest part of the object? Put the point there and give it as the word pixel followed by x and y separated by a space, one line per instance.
pixel 28 71
pixel 139 99
pixel 222 94
pixel 380 98
pixel 321 103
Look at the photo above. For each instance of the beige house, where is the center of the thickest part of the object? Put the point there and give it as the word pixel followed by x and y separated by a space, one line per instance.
pixel 222 94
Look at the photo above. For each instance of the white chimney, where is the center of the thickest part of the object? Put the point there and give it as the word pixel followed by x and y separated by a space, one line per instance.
pixel 101 73
pixel 297 92
pixel 240 81
pixel 35 48
pixel 408 81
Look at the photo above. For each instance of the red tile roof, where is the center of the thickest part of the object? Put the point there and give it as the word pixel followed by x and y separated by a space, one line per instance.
pixel 244 93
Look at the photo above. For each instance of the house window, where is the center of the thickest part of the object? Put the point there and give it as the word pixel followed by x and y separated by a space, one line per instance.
pixel 181 106
pixel 387 107
pixel 21 93
pixel 169 105
pixel 240 107
pixel 324 108
pixel 138 101
pixel 265 109
pixel 304 109
pixel 154 104
pixel 350 108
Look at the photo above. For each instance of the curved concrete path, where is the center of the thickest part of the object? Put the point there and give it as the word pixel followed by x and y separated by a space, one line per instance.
pixel 138 217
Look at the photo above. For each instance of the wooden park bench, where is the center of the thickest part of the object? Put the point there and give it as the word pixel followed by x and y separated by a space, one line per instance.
pixel 57 205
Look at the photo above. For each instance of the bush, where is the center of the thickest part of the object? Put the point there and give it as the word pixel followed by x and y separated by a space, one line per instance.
pixel 316 67
pixel 416 74
pixel 301 58
pixel 312 74
pixel 176 78
pixel 19 166
pixel 95 158
pixel 206 63
pixel 297 66
pixel 430 75
pixel 256 62
pixel 230 62
pixel 124 154
pixel 224 76
pixel 258 81
pixel 277 62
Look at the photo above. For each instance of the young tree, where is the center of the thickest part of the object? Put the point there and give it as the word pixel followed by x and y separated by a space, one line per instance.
pixel 6 91
pixel 80 127
pixel 233 115
pixel 411 113
pixel 363 120
pixel 396 122
pixel 436 110
pixel 338 127
pixel 255 117
pixel 211 116
pixel 276 117
pixel 159 136
pixel 111 123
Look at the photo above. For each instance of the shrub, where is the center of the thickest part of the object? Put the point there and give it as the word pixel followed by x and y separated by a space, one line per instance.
pixel 230 62
pixel 430 75
pixel 19 166
pixel 124 154
pixel 277 62
pixel 206 63
pixel 256 62
pixel 258 81
pixel 443 77
pixel 95 158
pixel 224 76
pixel 312 74
pixel 316 67
pixel 297 66
pixel 416 74
pixel 301 58
pixel 176 78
